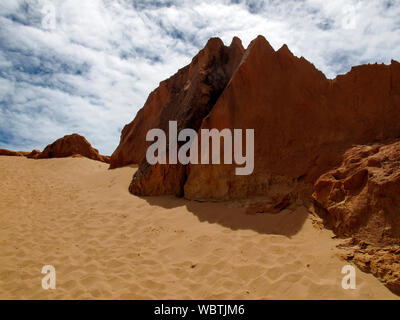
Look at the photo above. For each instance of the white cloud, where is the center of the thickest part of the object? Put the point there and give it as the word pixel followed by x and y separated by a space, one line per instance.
pixel 93 71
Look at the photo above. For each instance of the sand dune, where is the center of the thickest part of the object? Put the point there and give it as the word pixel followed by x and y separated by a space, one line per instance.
pixel 78 216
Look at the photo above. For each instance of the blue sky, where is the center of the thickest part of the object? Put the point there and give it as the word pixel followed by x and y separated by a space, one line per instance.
pixel 87 66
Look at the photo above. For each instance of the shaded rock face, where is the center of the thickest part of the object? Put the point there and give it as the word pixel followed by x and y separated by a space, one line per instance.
pixel 361 198
pixel 303 122
pixel 71 145
pixel 158 180
pixel 187 97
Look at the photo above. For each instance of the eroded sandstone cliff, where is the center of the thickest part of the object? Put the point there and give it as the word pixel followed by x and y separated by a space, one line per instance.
pixel 303 122
pixel 361 197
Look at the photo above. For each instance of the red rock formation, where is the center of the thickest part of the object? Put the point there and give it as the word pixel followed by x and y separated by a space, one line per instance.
pixel 71 145
pixel 186 97
pixel 361 198
pixel 303 122
pixel 5 152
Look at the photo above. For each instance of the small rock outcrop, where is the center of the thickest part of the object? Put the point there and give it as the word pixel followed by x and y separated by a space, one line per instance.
pixel 72 145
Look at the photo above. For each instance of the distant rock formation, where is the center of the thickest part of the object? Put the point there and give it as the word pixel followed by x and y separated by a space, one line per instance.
pixel 361 197
pixel 5 152
pixel 303 121
pixel 71 145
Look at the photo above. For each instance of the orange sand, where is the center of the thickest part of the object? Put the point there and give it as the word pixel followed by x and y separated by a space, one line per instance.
pixel 105 243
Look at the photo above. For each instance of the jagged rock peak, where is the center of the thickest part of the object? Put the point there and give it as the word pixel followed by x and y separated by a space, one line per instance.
pixel 236 42
pixel 187 97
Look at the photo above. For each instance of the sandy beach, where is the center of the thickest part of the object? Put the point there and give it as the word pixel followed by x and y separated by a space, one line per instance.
pixel 75 214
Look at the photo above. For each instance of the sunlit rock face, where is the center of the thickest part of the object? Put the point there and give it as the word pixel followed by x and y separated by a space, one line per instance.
pixel 303 122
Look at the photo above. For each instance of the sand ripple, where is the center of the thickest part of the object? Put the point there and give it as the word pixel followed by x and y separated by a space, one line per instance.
pixel 78 216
